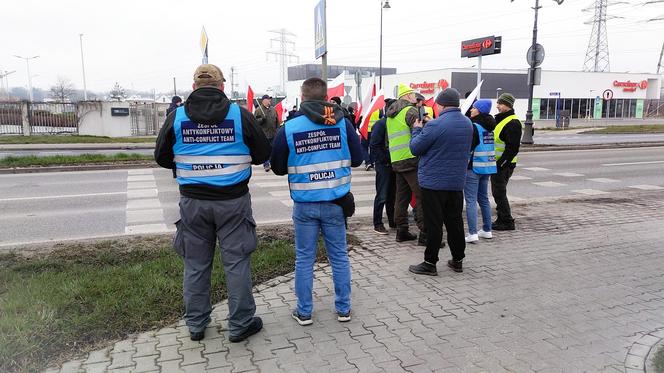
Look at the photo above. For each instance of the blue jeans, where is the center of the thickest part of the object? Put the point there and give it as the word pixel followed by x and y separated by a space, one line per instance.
pixel 476 192
pixel 310 219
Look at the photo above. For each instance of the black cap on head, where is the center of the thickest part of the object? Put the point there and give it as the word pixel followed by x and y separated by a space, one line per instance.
pixel 448 97
pixel 336 100
pixel 266 97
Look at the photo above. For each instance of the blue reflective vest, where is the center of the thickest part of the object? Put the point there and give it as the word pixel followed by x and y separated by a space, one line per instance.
pixel 484 154
pixel 211 154
pixel 318 160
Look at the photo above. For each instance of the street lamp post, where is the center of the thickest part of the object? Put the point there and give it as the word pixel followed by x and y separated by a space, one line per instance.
pixel 528 130
pixel 383 5
pixel 27 64
pixel 85 89
pixel 498 90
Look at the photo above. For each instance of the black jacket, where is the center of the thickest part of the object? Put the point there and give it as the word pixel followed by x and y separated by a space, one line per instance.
pixel 511 136
pixel 209 105
pixel 488 123
pixel 314 110
pixel 377 142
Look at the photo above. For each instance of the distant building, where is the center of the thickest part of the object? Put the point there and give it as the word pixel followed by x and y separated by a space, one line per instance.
pixel 303 72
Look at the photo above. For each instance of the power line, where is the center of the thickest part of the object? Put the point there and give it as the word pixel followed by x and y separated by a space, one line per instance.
pixel 283 53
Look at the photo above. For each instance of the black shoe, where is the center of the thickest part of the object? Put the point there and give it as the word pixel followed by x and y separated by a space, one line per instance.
pixel 380 229
pixel 424 268
pixel 302 320
pixel 392 225
pixel 500 226
pixel 197 336
pixel 254 328
pixel 405 236
pixel 456 265
pixel 422 240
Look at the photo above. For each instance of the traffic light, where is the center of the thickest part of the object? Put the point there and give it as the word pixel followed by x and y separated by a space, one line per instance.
pixel 498 42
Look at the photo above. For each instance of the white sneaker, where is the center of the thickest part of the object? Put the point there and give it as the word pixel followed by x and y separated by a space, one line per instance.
pixel 472 238
pixel 484 234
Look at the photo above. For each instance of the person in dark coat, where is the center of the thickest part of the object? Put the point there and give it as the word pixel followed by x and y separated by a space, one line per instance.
pixel 443 145
pixel 385 178
pixel 176 101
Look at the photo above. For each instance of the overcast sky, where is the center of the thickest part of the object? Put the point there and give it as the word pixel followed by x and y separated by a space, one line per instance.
pixel 144 44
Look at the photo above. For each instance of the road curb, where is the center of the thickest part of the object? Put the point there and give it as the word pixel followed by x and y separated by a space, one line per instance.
pixel 84 146
pixel 69 168
pixel 130 165
pixel 542 148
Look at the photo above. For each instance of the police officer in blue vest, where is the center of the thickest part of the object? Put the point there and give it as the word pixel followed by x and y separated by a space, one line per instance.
pixel 317 151
pixel 212 143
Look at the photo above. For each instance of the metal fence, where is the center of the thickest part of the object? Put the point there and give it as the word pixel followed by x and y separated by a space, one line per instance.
pixel 53 118
pixel 11 118
pixel 146 118
pixel 42 118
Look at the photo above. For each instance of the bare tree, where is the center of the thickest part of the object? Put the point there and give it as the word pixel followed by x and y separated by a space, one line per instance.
pixel 63 90
pixel 117 93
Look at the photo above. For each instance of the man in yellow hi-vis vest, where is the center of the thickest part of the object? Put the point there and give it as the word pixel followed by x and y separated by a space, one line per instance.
pixel 507 137
pixel 401 116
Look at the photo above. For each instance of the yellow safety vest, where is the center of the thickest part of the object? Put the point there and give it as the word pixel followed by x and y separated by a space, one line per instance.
pixel 398 136
pixel 500 144
pixel 373 119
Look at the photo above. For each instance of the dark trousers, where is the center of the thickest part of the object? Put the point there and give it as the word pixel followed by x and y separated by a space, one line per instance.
pixel 385 194
pixel 366 153
pixel 202 223
pixel 499 182
pixel 443 207
pixel 407 185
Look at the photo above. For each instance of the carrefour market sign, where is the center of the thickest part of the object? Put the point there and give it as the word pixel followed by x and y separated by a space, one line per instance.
pixel 428 88
pixel 630 86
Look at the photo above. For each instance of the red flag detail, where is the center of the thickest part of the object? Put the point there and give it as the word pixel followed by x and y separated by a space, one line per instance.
pixel 336 87
pixel 377 103
pixel 250 100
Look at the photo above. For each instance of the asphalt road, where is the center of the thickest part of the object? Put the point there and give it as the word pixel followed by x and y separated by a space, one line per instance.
pixel 73 205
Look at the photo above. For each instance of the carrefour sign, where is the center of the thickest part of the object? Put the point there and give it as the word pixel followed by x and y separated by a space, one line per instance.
pixel 630 86
pixel 481 47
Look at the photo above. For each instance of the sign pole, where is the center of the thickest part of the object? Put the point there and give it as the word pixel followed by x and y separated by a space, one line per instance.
pixel 479 73
pixel 324 67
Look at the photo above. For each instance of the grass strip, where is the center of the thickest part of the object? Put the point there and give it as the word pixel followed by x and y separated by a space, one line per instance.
pixel 59 305
pixel 642 128
pixel 72 139
pixel 60 160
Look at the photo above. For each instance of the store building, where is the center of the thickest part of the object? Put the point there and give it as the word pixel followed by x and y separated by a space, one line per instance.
pixel 580 95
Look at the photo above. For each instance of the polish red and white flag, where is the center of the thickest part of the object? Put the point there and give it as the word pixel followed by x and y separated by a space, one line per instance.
pixel 336 87
pixel 377 103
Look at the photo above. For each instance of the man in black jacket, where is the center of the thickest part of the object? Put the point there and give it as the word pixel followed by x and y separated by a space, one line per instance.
pixel 507 141
pixel 385 178
pixel 211 143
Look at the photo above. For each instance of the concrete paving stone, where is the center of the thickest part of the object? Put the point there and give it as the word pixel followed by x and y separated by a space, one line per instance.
pixel 167 340
pixel 243 364
pixel 96 367
pixel 228 369
pixel 123 346
pixel 98 356
pixel 365 364
pixel 191 356
pixel 195 368
pixel 353 351
pixel 212 345
pixel 121 360
pixel 636 362
pixel 168 353
pixel 120 370
pixel 339 361
pixel 218 359
pixel 393 366
pixel 639 350
pixel 145 364
pixel 146 349
pixel 170 366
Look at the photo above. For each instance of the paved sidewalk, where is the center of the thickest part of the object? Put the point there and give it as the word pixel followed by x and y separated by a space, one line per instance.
pixel 579 287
